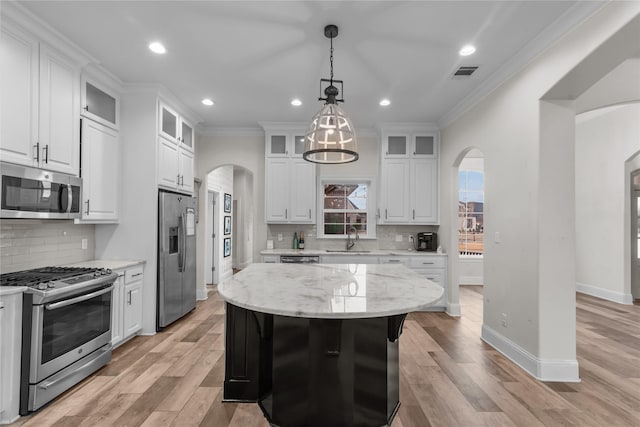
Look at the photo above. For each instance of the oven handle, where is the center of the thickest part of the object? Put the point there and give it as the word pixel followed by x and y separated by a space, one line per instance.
pixel 46 384
pixel 71 301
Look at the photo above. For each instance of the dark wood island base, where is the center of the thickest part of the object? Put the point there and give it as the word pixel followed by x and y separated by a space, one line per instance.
pixel 309 372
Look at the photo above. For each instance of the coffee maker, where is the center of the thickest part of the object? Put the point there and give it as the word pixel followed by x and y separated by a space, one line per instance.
pixel 427 242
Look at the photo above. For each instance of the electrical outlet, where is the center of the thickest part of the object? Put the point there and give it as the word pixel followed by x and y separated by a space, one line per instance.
pixel 84 243
pixel 280 238
pixel 503 322
pixel 496 237
pixel 398 237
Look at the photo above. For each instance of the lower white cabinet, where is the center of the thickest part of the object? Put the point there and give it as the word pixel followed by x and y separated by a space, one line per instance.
pixel 126 314
pixel 10 335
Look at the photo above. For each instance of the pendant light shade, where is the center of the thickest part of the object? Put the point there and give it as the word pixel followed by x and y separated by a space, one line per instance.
pixel 331 137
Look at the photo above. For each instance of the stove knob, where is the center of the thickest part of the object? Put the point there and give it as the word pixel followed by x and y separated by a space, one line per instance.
pixel 51 285
pixel 96 274
pixel 42 286
pixel 107 271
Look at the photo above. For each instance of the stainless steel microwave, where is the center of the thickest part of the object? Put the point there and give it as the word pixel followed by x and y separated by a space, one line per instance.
pixel 36 193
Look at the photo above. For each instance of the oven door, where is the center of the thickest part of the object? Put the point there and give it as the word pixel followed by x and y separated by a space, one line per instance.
pixel 65 331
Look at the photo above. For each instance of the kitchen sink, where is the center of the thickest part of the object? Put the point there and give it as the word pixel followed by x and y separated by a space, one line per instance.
pixel 344 251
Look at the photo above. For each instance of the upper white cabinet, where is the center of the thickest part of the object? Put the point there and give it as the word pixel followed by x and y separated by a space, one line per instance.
pixel 100 104
pixel 40 104
pixel 100 172
pixel 290 181
pixel 175 150
pixel 409 177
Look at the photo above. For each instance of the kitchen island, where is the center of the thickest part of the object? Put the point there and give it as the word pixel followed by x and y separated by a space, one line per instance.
pixel 317 345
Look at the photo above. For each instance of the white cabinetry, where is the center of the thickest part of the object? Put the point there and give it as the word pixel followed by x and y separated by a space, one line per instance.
pixel 434 268
pixel 40 104
pixel 176 148
pixel 409 178
pixel 100 172
pixel 290 181
pixel 126 315
pixel 100 104
pixel 10 336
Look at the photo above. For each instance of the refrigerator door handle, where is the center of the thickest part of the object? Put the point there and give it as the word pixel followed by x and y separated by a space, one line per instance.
pixel 181 244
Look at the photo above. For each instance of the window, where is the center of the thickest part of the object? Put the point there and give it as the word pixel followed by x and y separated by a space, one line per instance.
pixel 346 204
pixel 471 207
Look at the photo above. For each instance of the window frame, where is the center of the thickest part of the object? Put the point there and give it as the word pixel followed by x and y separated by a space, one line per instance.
pixel 466 191
pixel 370 211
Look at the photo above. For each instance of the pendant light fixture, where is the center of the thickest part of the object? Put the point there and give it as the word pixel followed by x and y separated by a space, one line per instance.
pixel 331 138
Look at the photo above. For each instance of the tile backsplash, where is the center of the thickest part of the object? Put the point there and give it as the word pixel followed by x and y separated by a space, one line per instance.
pixel 26 244
pixel 385 237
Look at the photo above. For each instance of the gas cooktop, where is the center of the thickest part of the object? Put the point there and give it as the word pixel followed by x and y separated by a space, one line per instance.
pixel 48 283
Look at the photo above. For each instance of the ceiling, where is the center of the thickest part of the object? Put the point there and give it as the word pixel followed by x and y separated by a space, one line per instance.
pixel 253 58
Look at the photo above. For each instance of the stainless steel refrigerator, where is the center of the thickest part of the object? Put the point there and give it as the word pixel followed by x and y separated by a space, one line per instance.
pixel 176 257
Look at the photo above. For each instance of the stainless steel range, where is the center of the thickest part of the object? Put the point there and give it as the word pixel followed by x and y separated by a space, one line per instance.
pixel 66 332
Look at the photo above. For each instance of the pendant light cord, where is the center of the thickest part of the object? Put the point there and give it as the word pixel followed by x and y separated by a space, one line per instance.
pixel 331 59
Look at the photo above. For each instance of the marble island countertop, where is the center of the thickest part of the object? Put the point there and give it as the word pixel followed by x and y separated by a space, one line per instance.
pixel 330 291
pixel 374 252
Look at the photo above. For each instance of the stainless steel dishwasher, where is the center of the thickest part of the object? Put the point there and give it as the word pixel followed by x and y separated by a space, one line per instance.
pixel 299 259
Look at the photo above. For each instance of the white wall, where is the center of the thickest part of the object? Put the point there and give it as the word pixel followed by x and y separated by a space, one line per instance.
pixel 243 216
pixel 523 182
pixel 605 140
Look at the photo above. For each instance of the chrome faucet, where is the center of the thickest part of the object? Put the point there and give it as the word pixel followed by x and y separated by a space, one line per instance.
pixel 351 243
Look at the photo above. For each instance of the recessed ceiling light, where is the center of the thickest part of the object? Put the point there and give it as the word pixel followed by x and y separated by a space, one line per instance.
pixel 207 102
pixel 296 102
pixel 467 50
pixel 157 47
pixel 385 102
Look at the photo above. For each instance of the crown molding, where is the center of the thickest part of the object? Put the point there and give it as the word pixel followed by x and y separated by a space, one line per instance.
pixel 572 17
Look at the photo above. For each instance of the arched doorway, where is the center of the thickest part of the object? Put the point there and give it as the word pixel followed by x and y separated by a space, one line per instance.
pixel 229 214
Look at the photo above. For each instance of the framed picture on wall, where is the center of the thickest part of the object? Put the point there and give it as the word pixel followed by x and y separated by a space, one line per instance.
pixel 227 246
pixel 227 225
pixel 227 202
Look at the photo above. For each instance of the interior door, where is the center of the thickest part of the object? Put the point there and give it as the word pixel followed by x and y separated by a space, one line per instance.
pixel 169 283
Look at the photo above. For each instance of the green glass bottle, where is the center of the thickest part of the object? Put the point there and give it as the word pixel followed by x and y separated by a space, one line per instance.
pixel 295 240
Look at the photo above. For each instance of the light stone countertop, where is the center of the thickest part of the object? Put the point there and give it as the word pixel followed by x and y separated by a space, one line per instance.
pixel 10 290
pixel 105 263
pixel 330 291
pixel 374 252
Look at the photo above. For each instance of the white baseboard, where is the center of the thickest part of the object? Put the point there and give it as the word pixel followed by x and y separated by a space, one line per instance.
pixel 453 310
pixel 540 369
pixel 471 280
pixel 202 294
pixel 245 264
pixel 613 296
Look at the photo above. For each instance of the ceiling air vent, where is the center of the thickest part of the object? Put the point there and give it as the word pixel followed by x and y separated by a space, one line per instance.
pixel 465 71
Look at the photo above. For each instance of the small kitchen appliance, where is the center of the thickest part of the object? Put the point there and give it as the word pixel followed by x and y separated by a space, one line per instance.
pixel 27 192
pixel 66 329
pixel 427 242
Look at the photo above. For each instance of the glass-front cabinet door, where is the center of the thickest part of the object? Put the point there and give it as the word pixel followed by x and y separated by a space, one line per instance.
pixel 168 123
pixel 186 135
pixel 100 104
pixel 396 146
pixel 424 145
pixel 298 145
pixel 277 146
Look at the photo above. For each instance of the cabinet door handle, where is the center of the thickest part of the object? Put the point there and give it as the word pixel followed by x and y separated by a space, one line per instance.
pixel 428 263
pixel 414 214
pixel 385 214
pixel 178 179
pixel 46 153
pixel 129 297
pixel 37 146
pixel 393 261
pixel 87 202
pixel 286 214
pixel 136 275
pixel 86 108
pixel 309 213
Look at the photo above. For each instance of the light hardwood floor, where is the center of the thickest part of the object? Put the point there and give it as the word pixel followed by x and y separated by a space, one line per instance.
pixel 449 377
